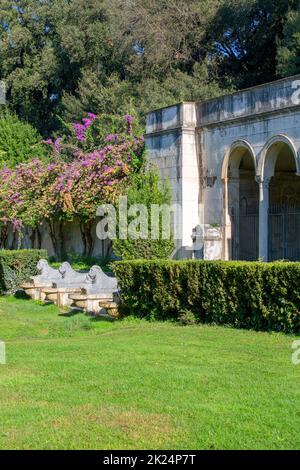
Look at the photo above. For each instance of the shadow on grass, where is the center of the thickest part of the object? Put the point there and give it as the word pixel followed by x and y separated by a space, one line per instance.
pixel 70 313
pixel 21 294
pixel 95 319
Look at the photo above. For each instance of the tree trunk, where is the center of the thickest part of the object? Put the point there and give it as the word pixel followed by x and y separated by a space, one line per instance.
pixel 39 238
pixel 13 244
pixel 3 236
pixel 90 239
pixel 32 238
pixel 53 237
pixel 87 238
pixel 62 248
pixel 83 237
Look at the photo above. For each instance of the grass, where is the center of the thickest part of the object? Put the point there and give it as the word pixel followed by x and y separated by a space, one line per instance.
pixel 71 382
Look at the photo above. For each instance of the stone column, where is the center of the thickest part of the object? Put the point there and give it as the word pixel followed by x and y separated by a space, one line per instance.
pixel 172 146
pixel 263 218
pixel 227 222
pixel 189 179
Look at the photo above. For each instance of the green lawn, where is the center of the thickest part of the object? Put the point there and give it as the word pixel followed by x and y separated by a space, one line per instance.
pixel 76 383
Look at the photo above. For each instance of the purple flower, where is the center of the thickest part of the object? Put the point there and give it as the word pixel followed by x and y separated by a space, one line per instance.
pixel 111 138
pixel 48 142
pixel 16 224
pixel 57 144
pixel 15 197
pixel 129 121
pixel 80 129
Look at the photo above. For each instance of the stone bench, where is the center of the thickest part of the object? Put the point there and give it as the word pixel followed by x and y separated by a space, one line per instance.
pixel 60 296
pixel 70 282
pixel 45 279
pixel 93 292
pixel 98 295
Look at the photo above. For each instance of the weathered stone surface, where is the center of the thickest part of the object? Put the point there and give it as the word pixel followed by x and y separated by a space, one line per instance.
pixel 213 242
pixel 90 303
pixel 99 288
pixel 70 278
pixel 47 273
pixel 98 282
pixel 220 157
pixel 81 290
pixel 60 296
pixel 66 287
pixel 35 292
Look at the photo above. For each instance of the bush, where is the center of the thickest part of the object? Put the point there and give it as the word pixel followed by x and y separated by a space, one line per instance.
pixel 260 296
pixel 187 318
pixel 16 267
pixel 19 141
pixel 147 189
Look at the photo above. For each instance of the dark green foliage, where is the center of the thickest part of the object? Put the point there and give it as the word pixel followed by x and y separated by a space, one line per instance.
pixel 66 57
pixel 147 249
pixel 289 51
pixel 260 296
pixel 245 36
pixel 19 141
pixel 147 189
pixel 187 318
pixel 16 267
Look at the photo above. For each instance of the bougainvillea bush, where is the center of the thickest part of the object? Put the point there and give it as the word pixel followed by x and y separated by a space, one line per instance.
pixel 88 166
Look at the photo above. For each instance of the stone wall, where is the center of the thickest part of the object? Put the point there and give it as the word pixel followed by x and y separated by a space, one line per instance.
pixel 191 143
pixel 72 238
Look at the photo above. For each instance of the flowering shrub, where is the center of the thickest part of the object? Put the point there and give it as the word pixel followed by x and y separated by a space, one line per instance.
pixel 81 175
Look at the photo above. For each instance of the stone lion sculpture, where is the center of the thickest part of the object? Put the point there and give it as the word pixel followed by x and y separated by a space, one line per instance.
pixel 98 281
pixel 47 273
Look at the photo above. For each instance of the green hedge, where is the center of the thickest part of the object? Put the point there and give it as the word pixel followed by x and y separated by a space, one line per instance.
pixel 16 266
pixel 261 296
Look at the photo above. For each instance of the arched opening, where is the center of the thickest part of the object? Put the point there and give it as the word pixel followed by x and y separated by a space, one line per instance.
pixel 284 202
pixel 242 200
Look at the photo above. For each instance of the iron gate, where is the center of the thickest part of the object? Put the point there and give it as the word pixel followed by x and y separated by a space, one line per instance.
pixel 284 232
pixel 245 233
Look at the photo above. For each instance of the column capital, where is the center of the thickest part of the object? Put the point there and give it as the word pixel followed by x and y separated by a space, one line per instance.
pixel 264 182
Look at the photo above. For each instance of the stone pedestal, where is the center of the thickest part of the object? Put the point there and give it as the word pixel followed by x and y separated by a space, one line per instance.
pixel 213 245
pixel 60 296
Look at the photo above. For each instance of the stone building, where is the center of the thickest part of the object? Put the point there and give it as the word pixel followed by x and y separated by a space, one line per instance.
pixel 233 164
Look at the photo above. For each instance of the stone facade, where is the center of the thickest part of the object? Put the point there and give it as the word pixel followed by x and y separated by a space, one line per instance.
pixel 233 165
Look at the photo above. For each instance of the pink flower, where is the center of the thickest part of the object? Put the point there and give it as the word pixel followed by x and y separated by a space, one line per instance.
pixel 57 144
pixel 111 138
pixel 129 121
pixel 80 129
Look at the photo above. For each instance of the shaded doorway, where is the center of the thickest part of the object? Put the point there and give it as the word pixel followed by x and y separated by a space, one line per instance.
pixel 243 205
pixel 284 206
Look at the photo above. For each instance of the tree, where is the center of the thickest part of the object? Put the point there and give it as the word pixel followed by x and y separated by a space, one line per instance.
pixel 44 48
pixel 244 38
pixel 105 153
pixel 289 51
pixel 19 141
pixel 67 57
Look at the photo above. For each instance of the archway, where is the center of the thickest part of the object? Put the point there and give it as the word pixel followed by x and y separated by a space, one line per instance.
pixel 241 203
pixel 280 171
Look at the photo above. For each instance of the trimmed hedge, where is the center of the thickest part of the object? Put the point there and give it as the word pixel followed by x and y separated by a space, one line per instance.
pixel 260 296
pixel 16 267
